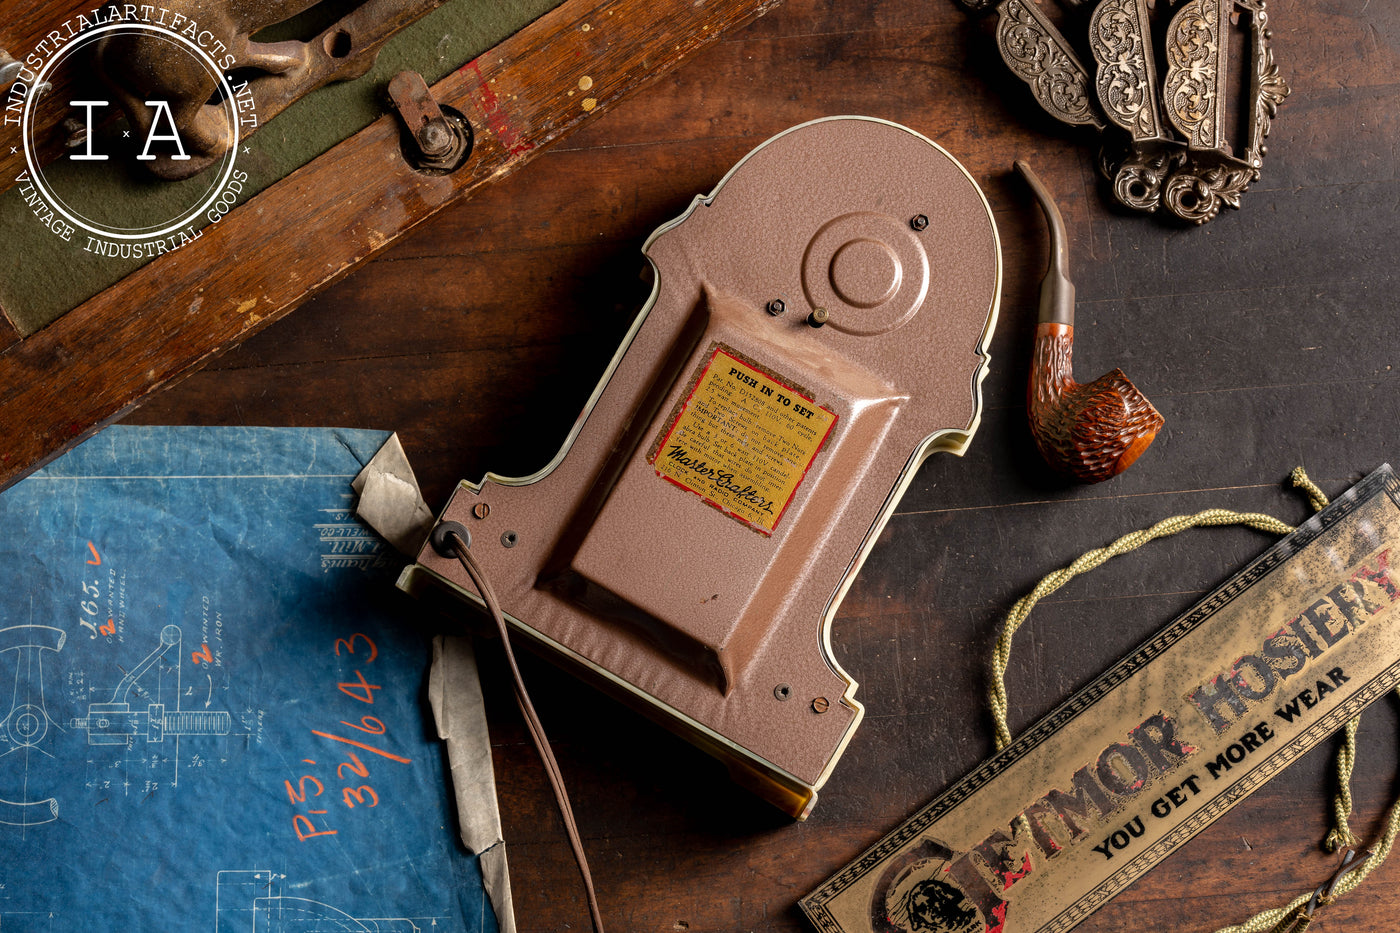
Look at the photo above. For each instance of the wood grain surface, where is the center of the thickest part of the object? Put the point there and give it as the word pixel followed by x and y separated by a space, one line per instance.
pixel 162 321
pixel 1267 339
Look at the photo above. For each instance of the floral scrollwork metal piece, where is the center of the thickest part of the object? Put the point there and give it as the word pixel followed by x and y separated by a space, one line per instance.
pixel 1166 128
pixel 1198 192
pixel 1272 90
pixel 1040 56
pixel 1267 85
pixel 1121 40
pixel 1139 175
pixel 1197 43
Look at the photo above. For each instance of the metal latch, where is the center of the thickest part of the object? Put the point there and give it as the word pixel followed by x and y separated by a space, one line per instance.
pixel 438 139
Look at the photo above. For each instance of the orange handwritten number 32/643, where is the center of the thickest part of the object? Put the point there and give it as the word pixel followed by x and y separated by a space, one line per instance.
pixel 363 648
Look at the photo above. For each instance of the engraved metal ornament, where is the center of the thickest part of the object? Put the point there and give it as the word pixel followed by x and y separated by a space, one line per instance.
pixel 137 67
pixel 1197 49
pixel 1039 55
pixel 1165 143
pixel 1267 87
pixel 1138 174
pixel 1120 37
pixel 1199 194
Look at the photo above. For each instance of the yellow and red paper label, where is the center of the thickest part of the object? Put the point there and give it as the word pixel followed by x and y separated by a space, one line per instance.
pixel 743 440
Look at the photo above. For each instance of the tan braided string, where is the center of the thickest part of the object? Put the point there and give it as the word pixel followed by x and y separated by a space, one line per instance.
pixel 1052 582
pixel 1297 914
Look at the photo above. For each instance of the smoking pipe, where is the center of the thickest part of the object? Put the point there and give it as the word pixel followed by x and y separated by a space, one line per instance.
pixel 1091 431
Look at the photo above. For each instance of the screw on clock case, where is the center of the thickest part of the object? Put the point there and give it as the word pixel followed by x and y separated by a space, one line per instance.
pixel 688 546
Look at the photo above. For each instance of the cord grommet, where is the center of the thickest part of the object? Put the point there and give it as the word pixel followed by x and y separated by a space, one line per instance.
pixel 442 533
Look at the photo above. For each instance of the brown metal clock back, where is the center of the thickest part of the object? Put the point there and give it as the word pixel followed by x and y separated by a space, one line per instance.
pixel 818 326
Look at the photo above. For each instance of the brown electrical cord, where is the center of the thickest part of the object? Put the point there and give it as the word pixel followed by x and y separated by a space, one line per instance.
pixel 527 709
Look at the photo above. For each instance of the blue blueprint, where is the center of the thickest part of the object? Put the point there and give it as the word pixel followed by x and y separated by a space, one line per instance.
pixel 213 708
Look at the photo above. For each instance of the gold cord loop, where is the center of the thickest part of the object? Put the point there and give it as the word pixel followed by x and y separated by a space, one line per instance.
pixel 1297 914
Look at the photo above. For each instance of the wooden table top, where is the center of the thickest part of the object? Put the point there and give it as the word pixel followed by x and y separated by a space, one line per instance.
pixel 1266 338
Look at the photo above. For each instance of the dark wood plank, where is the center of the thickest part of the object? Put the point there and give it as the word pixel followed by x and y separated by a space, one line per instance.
pixel 162 321
pixel 25 34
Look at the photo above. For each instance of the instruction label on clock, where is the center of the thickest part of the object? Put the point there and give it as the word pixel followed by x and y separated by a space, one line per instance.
pixel 743 439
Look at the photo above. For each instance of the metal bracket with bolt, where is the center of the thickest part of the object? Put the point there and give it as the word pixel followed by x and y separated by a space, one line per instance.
pixel 437 139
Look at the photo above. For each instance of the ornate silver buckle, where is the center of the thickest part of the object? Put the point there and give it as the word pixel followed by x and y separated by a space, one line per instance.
pixel 1164 133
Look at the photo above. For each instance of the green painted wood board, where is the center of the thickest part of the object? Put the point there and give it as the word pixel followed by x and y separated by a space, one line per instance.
pixel 42 276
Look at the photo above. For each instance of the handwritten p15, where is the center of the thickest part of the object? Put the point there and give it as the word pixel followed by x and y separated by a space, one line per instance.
pixel 309 787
